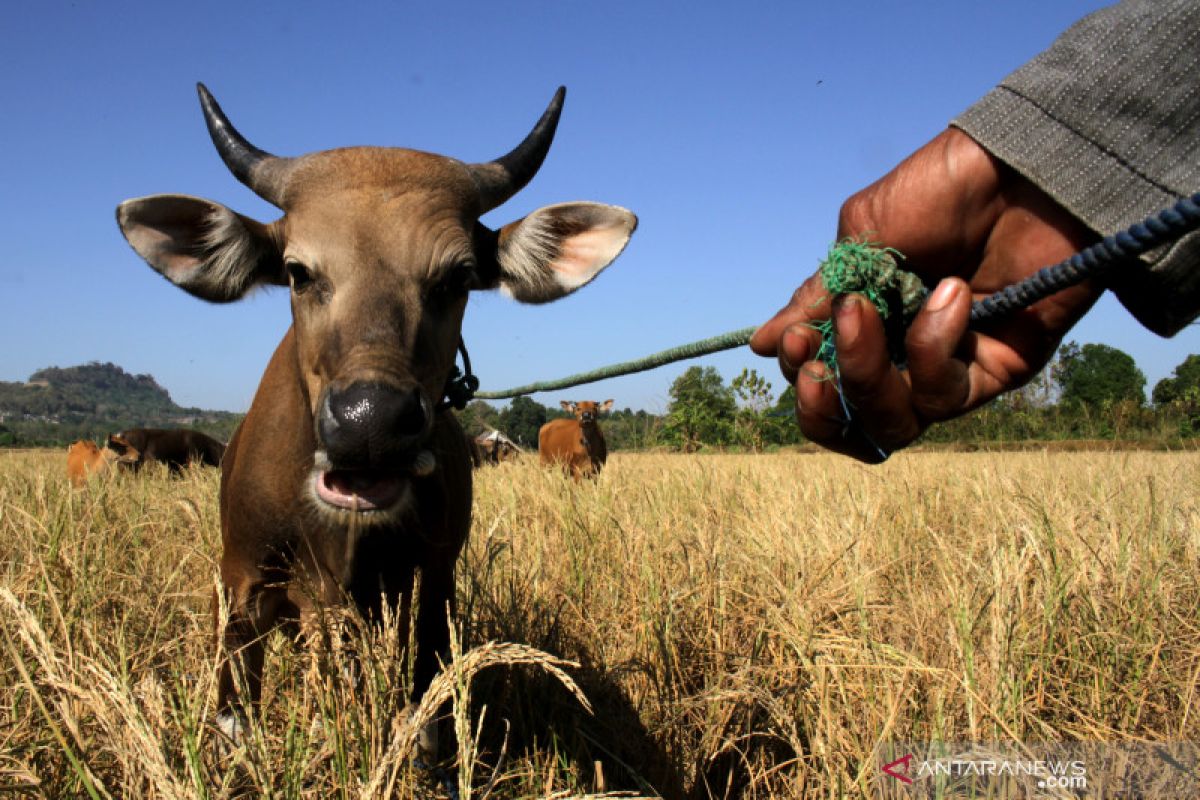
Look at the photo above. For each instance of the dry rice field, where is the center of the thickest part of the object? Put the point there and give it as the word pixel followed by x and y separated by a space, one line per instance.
pixel 737 625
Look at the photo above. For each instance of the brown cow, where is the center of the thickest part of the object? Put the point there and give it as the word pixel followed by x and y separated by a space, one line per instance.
pixel 85 459
pixel 347 473
pixel 577 445
pixel 473 450
pixel 175 447
pixel 495 447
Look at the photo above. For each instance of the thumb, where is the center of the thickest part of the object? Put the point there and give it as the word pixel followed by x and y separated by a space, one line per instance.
pixel 940 381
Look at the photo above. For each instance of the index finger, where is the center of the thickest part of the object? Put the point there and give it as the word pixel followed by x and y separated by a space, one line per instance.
pixel 809 303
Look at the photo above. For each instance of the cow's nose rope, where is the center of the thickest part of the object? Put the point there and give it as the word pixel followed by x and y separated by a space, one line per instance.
pixel 461 385
pixel 1159 229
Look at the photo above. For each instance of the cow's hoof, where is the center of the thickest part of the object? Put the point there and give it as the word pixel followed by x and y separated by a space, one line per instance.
pixel 231 729
pixel 425 752
pixel 427 742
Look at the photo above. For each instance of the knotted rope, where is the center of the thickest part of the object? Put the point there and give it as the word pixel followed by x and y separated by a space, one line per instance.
pixel 859 267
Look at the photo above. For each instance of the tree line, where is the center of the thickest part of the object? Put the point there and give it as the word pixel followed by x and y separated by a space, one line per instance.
pixel 1089 391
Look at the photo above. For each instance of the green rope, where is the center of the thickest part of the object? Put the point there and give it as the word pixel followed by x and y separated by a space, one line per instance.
pixel 715 344
pixel 851 266
pixel 865 268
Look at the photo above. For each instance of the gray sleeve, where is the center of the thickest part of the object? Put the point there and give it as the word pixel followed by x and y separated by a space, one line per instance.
pixel 1107 122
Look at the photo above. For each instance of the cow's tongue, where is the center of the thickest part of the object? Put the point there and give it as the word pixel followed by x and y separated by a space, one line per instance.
pixel 359 489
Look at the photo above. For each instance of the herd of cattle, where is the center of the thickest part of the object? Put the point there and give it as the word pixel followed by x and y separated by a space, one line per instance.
pixel 130 449
pixel 347 475
pixel 577 445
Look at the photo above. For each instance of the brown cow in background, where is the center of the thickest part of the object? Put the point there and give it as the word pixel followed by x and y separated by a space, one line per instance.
pixel 576 444
pixel 175 447
pixel 85 459
pixel 495 447
pixel 474 450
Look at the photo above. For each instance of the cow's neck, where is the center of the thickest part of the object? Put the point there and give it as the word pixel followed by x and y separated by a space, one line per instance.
pixel 590 432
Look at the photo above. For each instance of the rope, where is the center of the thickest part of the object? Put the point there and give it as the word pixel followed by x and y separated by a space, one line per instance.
pixel 1157 230
pixel 461 385
pixel 715 344
pixel 1165 226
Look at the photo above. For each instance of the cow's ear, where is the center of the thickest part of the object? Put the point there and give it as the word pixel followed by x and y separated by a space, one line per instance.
pixel 567 405
pixel 605 406
pixel 557 249
pixel 202 247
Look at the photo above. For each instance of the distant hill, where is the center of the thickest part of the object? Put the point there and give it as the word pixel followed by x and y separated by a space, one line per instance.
pixel 58 405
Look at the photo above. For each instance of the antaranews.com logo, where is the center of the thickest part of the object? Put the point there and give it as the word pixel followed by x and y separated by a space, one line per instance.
pixel 1129 771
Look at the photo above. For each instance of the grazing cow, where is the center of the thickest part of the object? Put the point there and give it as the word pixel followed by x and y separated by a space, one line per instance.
pixel 495 447
pixel 84 458
pixel 577 445
pixel 348 473
pixel 474 450
pixel 175 447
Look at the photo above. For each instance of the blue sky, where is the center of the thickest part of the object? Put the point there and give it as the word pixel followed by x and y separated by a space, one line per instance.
pixel 734 131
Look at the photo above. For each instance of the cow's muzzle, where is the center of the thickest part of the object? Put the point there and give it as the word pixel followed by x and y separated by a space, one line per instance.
pixel 372 438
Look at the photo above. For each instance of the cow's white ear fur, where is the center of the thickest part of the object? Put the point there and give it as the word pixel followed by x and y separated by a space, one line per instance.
pixel 567 405
pixel 605 406
pixel 559 248
pixel 203 247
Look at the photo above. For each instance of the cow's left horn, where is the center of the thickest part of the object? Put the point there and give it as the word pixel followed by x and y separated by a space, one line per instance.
pixel 500 179
pixel 262 172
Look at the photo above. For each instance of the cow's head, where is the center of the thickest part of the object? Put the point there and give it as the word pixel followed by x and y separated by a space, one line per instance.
pixel 586 410
pixel 122 451
pixel 83 447
pixel 380 247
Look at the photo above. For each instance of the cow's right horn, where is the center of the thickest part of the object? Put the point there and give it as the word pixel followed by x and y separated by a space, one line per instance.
pixel 500 179
pixel 263 173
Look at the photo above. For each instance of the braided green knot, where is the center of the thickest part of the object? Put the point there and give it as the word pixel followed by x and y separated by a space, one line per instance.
pixel 865 268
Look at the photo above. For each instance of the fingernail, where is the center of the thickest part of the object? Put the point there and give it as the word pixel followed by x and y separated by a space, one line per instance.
pixel 848 310
pixel 942 295
pixel 793 347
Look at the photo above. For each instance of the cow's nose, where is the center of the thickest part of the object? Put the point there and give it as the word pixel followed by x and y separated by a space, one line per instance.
pixel 370 424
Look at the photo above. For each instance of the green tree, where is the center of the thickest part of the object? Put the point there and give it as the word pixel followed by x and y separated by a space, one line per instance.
pixel 631 430
pixel 751 422
pixel 1186 376
pixel 784 428
pixel 522 420
pixel 702 410
pixel 1044 389
pixel 1096 375
pixel 478 417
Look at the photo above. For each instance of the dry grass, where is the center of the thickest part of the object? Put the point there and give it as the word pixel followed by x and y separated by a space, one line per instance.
pixel 749 626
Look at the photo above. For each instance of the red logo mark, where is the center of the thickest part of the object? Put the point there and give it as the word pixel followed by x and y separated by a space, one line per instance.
pixel 899 774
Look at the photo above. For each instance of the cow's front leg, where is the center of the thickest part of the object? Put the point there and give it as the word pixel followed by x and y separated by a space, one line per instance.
pixel 436 607
pixel 253 612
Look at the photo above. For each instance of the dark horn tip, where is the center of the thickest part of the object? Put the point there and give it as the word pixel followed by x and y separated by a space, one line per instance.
pixel 207 101
pixel 239 155
pixel 555 108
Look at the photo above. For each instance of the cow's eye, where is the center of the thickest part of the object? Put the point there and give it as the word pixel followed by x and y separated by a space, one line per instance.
pixel 300 275
pixel 455 284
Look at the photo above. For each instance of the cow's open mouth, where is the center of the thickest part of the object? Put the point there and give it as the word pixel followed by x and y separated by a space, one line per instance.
pixel 360 489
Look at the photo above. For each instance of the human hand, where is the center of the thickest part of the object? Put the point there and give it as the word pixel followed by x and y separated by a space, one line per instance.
pixel 970 224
